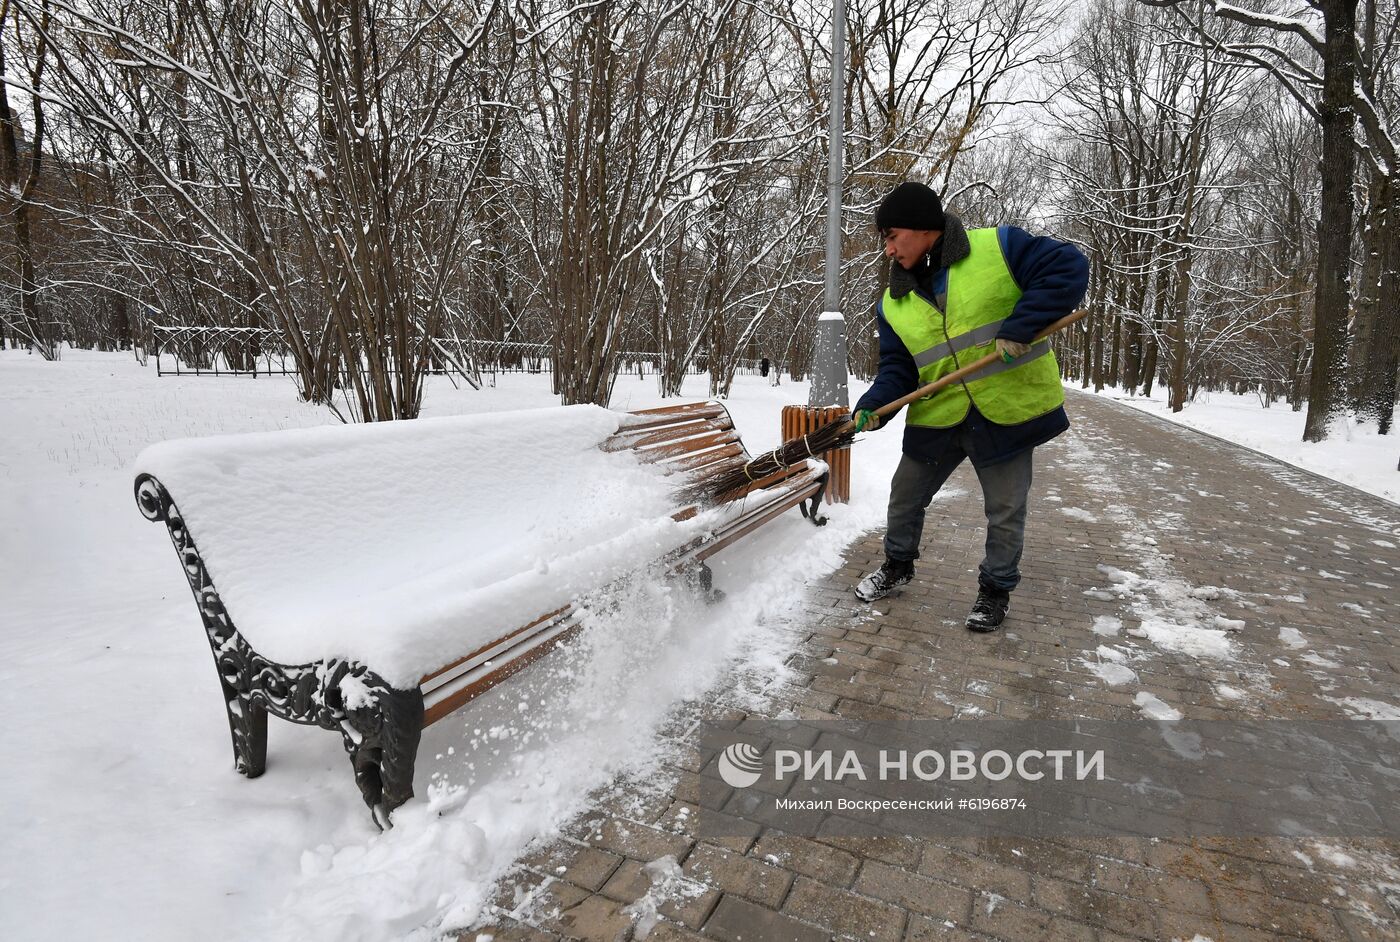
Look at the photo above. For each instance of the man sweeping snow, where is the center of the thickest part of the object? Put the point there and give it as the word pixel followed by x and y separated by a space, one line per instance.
pixel 955 295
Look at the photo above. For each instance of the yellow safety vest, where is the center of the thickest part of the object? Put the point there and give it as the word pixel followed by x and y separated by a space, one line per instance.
pixel 981 294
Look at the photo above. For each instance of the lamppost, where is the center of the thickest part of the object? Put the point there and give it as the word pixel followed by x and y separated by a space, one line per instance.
pixel 828 398
pixel 829 349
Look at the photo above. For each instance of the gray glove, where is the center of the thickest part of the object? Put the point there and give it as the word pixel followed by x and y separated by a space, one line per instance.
pixel 1010 349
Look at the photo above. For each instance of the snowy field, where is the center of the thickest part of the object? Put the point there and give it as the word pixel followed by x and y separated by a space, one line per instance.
pixel 127 820
pixel 1354 454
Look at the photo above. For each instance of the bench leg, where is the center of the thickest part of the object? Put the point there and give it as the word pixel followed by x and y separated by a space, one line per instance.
pixel 707 585
pixel 247 722
pixel 399 750
pixel 810 512
pixel 700 578
pixel 382 742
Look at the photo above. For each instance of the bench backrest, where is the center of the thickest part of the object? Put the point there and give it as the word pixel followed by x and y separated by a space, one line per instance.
pixel 694 439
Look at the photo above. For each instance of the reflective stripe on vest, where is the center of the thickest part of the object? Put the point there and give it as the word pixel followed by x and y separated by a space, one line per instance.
pixel 981 295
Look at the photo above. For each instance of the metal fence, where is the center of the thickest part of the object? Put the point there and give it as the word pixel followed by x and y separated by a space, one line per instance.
pixel 220 351
pixel 248 351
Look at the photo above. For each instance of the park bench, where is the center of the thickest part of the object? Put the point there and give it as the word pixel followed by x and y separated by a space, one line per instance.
pixel 372 700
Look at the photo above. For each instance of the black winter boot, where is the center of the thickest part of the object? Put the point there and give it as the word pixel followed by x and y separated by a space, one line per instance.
pixel 989 611
pixel 880 583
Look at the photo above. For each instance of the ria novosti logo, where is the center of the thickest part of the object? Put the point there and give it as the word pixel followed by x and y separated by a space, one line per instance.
pixel 740 765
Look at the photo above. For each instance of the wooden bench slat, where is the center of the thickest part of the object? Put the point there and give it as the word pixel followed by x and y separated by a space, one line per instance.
pixel 662 452
pixel 484 649
pixel 709 411
pixel 473 684
pixel 747 525
pixel 708 407
pixel 704 458
pixel 772 479
pixel 646 438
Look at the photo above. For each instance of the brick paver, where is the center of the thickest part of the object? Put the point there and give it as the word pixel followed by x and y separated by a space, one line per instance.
pixel 1132 519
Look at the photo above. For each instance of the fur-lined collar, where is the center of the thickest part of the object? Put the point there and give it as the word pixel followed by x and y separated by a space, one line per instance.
pixel 950 249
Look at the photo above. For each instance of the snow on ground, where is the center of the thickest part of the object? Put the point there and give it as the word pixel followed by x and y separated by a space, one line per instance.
pixel 1107 625
pixel 1354 454
pixel 1111 673
pixel 1363 708
pixel 126 818
pixel 1153 708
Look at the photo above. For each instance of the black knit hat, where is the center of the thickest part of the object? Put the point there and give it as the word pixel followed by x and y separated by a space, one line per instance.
pixel 910 206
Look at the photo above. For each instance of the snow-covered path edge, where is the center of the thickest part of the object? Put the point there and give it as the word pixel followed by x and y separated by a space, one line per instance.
pixel 1355 456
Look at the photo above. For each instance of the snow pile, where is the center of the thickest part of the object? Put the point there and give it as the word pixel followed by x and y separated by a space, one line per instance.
pixel 1111 673
pixel 512 769
pixel 404 545
pixel 1185 639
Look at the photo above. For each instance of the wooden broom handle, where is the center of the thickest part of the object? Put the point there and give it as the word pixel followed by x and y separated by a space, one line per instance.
pixel 958 375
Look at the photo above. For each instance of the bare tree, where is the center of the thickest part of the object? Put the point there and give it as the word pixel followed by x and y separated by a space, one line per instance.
pixel 1333 94
pixel 1151 131
pixel 320 150
pixel 22 64
pixel 1378 305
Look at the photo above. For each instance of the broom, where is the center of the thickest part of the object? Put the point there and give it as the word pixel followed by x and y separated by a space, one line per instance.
pixel 728 479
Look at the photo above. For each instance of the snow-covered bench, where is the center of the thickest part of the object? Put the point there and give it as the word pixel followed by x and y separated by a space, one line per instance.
pixel 382 575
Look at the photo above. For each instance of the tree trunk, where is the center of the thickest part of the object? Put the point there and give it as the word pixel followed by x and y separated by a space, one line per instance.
pixel 1381 349
pixel 1326 388
pixel 1149 362
pixel 1096 368
pixel 1181 300
pixel 1086 355
pixel 1113 348
pixel 1133 344
pixel 1176 386
pixel 21 177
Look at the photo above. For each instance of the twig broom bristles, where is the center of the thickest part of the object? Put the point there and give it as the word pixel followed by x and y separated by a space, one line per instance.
pixel 730 478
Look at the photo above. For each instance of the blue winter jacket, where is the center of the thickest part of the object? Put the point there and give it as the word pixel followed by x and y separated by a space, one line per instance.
pixel 1053 277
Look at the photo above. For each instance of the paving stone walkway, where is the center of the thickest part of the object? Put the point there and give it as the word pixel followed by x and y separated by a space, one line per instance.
pixel 1134 522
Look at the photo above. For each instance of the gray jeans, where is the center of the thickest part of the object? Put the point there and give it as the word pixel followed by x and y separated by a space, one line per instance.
pixel 1004 489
